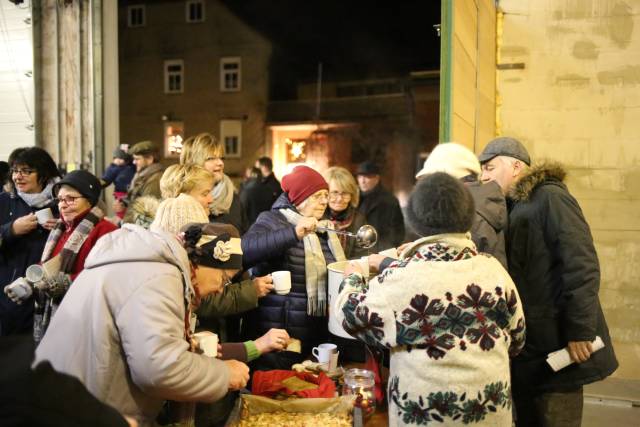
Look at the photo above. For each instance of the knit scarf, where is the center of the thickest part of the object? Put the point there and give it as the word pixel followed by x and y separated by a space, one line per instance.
pixel 74 242
pixel 315 266
pixel 41 199
pixel 222 196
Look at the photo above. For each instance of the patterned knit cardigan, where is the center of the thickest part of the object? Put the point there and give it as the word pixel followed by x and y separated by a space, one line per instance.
pixel 451 317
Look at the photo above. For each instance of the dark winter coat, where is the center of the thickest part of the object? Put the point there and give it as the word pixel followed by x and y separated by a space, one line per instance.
pixel 490 221
pixel 382 211
pixel 16 254
pixel 350 249
pixel 236 216
pixel 554 264
pixel 120 176
pixel 259 195
pixel 271 245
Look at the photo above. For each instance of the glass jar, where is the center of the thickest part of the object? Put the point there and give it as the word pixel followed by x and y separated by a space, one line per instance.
pixel 361 383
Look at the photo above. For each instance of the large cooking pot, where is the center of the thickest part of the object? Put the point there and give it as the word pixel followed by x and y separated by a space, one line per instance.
pixel 336 270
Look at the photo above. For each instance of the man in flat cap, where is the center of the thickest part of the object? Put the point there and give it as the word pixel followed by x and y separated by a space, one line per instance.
pixel 380 207
pixel 146 181
pixel 554 265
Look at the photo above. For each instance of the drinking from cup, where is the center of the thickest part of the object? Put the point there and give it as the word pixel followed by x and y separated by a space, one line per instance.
pixel 207 342
pixel 43 215
pixel 281 282
pixel 323 352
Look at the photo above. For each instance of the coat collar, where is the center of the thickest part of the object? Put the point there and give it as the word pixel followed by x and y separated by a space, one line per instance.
pixel 537 175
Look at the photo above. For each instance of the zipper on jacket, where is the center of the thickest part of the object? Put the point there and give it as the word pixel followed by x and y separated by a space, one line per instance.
pixel 286 313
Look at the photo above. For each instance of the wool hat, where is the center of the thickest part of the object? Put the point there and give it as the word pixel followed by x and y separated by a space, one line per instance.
pixel 439 204
pixel 176 212
pixel 301 183
pixel 505 146
pixel 368 168
pixel 119 153
pixel 84 182
pixel 454 159
pixel 213 245
pixel 143 148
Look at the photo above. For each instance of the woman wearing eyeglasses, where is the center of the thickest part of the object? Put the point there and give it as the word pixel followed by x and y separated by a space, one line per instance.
pixel 344 197
pixel 285 238
pixel 32 175
pixel 206 151
pixel 80 226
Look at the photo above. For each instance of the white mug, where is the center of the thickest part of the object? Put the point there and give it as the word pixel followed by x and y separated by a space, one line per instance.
pixel 207 342
pixel 44 215
pixel 323 352
pixel 281 282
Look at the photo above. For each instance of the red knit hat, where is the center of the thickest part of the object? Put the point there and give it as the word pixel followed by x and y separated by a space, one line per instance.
pixel 301 183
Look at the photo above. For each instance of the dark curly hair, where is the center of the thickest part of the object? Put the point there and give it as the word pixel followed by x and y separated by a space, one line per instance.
pixel 36 158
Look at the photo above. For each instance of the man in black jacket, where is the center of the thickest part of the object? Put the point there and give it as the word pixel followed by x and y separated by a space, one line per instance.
pixel 554 265
pixel 380 207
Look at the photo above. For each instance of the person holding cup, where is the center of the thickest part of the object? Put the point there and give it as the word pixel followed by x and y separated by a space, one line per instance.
pixel 22 238
pixel 79 227
pixel 285 239
pixel 451 316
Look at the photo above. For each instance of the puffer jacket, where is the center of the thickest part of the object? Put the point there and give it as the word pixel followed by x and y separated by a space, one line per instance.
pixel 121 327
pixel 490 220
pixel 554 264
pixel 271 245
pixel 16 254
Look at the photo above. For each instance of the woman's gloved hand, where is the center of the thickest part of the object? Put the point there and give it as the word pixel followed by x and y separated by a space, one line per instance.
pixel 19 290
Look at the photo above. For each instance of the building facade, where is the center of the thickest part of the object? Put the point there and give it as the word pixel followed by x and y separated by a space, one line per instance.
pixel 188 67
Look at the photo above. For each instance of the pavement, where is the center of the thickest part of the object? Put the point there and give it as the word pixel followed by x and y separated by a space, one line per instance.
pixel 612 403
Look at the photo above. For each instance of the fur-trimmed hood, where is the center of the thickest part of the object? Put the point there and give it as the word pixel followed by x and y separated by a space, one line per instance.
pixel 536 175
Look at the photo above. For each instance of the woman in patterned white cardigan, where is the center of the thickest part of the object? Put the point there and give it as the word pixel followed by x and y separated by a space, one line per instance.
pixel 450 316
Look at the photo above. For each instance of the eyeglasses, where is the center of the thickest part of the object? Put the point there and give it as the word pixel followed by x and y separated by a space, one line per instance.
pixel 22 172
pixel 335 195
pixel 320 197
pixel 69 200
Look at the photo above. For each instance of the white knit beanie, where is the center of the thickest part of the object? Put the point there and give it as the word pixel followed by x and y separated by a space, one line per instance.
pixel 176 212
pixel 451 158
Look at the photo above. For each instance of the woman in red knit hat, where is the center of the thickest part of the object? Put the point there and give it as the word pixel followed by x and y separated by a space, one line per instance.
pixel 285 238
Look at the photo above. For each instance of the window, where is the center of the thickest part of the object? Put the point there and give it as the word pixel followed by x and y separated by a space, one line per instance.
pixel 174 76
pixel 136 16
pixel 195 11
pixel 173 137
pixel 230 74
pixel 231 136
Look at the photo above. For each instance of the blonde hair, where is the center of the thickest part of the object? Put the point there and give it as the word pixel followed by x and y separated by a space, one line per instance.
pixel 178 179
pixel 345 181
pixel 197 149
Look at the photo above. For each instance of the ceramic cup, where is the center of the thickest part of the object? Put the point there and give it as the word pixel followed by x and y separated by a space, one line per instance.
pixel 281 282
pixel 323 352
pixel 44 215
pixel 207 342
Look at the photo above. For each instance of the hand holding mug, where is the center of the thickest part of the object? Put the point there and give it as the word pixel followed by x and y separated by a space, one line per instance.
pixel 24 225
pixel 263 285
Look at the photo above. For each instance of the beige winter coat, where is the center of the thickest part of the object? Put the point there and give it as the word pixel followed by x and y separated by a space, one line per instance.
pixel 121 327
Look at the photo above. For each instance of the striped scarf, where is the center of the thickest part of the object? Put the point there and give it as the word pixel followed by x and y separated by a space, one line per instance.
pixel 74 243
pixel 315 266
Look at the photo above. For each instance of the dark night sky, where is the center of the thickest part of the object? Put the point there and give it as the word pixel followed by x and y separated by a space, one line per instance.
pixel 353 39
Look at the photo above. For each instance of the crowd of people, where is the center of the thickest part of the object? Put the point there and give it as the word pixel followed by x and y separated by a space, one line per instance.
pixel 492 267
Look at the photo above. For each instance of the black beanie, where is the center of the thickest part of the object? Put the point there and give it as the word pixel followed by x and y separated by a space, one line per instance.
pixel 440 204
pixel 85 182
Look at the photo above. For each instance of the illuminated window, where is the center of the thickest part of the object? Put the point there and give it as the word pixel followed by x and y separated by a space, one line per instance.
pixel 296 150
pixel 231 136
pixel 173 138
pixel 230 74
pixel 136 16
pixel 195 11
pixel 174 76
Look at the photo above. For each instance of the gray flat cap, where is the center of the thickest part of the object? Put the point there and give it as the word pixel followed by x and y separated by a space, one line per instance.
pixel 505 146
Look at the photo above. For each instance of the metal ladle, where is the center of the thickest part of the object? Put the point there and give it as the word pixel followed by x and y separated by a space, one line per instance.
pixel 366 236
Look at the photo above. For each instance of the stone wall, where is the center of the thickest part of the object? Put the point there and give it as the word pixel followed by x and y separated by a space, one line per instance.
pixel 577 100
